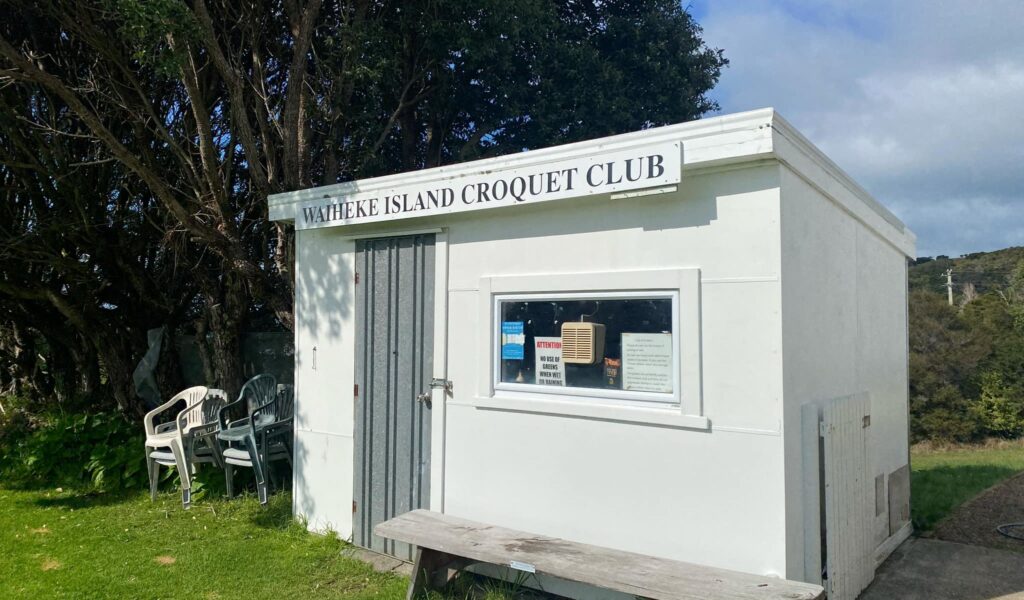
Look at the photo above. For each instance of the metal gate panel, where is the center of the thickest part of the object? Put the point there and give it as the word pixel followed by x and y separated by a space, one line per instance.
pixel 394 363
pixel 849 513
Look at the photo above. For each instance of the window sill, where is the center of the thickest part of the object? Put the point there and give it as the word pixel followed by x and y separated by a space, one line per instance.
pixel 661 417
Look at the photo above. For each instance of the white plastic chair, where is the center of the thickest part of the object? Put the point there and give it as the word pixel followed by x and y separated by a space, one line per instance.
pixel 170 436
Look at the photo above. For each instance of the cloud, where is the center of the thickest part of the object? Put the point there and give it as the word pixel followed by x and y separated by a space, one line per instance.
pixel 919 101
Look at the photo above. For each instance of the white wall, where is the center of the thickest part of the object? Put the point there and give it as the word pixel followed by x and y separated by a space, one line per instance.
pixel 796 302
pixel 324 410
pixel 711 497
pixel 844 332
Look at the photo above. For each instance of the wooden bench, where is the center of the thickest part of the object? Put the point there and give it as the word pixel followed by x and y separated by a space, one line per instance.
pixel 448 543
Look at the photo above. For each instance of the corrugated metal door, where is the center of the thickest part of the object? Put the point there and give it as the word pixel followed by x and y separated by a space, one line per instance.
pixel 394 363
pixel 849 496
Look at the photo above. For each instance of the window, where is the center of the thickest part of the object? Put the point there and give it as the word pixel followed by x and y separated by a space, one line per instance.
pixel 616 345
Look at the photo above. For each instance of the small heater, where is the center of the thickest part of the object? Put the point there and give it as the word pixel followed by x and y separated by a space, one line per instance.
pixel 582 343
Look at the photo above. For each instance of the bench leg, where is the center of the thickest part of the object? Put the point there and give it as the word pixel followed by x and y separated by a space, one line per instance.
pixel 430 571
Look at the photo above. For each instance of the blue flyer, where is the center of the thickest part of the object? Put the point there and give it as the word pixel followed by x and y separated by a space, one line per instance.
pixel 513 340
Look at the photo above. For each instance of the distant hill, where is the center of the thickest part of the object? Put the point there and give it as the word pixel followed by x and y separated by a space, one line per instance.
pixel 986 270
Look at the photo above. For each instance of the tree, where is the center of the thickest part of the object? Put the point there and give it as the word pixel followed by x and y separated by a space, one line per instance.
pixel 80 246
pixel 208 106
pixel 945 352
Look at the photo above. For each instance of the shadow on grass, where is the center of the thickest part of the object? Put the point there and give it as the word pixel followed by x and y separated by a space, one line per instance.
pixel 936 492
pixel 277 514
pixel 85 499
pixel 471 586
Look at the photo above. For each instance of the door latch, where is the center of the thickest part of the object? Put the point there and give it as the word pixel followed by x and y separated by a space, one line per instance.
pixel 442 384
pixel 423 398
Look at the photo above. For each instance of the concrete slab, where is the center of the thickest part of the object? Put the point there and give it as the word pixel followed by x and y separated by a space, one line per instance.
pixel 926 569
pixel 380 562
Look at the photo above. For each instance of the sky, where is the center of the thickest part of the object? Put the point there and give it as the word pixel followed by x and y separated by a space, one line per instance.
pixel 921 102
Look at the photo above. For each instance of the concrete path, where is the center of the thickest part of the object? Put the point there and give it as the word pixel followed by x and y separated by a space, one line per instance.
pixel 926 569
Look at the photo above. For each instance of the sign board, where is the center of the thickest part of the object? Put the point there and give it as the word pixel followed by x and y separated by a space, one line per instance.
pixel 548 361
pixel 653 166
pixel 647 362
pixel 513 340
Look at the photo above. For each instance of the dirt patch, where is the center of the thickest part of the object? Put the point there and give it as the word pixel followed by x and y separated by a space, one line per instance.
pixel 165 560
pixel 50 564
pixel 975 521
pixel 40 531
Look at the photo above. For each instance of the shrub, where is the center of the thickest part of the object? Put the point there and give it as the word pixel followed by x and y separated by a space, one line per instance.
pixel 100 450
pixel 999 407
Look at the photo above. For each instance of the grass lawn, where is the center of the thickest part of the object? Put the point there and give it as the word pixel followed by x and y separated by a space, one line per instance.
pixel 944 478
pixel 68 545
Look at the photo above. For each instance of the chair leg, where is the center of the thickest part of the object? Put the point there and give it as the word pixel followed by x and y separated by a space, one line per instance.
pixel 257 468
pixel 184 475
pixel 275 479
pixel 229 479
pixel 154 475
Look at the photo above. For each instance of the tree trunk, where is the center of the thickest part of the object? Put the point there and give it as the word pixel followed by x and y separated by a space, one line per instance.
pixel 169 379
pixel 225 312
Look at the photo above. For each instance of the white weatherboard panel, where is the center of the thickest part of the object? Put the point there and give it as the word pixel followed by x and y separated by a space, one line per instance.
pixel 601 172
pixel 848 509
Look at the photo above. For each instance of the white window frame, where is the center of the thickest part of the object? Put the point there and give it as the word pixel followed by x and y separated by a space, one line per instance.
pixel 685 412
pixel 570 392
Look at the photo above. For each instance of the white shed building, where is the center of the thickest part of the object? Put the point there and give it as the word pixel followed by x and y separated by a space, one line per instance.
pixel 688 342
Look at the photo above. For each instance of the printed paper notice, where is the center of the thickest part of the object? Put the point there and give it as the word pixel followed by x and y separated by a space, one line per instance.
pixel 548 355
pixel 513 340
pixel 647 362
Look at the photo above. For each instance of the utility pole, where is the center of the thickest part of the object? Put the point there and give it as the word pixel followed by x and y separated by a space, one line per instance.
pixel 949 285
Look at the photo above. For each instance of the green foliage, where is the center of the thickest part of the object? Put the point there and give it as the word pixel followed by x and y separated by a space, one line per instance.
pixel 944 354
pixel 1000 407
pixel 986 271
pixel 155 31
pixel 101 451
pixel 967 360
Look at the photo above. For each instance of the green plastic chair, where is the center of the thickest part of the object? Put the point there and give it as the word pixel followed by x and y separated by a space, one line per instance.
pixel 257 439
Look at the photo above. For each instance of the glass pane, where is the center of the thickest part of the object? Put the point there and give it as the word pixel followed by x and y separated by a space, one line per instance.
pixel 600 343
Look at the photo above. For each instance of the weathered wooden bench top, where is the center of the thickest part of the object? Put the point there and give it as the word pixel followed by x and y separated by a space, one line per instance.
pixel 643 576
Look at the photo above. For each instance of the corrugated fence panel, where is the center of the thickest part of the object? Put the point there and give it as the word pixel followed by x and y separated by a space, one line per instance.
pixel 848 496
pixel 394 342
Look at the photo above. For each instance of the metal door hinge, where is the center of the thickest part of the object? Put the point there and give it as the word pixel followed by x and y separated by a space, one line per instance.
pixel 445 384
pixel 353 507
pixel 357 278
pixel 355 390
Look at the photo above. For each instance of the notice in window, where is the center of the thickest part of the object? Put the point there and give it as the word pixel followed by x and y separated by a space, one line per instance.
pixel 647 362
pixel 549 367
pixel 513 340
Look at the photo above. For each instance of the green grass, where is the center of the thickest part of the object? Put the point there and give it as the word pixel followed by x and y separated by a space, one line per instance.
pixel 70 545
pixel 942 479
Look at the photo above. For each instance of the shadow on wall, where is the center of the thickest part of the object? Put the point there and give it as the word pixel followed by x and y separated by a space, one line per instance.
pixel 322 302
pixel 306 503
pixel 694 205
